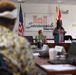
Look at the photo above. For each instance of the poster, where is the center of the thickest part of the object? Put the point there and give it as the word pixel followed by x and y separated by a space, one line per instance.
pixel 37 21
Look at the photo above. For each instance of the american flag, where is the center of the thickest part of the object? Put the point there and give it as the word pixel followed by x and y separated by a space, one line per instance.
pixel 21 25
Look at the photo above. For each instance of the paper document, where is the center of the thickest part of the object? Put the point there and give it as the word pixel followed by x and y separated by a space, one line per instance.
pixel 50 41
pixel 68 41
pixel 60 67
pixel 36 54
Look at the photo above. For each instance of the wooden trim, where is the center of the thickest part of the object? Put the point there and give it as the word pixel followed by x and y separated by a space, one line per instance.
pixel 53 39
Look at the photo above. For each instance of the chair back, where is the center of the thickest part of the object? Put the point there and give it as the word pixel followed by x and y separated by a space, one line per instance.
pixel 29 38
pixel 67 37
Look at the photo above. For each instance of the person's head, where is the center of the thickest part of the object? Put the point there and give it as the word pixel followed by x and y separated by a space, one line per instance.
pixel 8 14
pixel 40 32
pixel 59 23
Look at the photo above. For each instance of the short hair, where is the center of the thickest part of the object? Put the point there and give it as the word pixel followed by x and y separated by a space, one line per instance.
pixel 39 31
pixel 7 6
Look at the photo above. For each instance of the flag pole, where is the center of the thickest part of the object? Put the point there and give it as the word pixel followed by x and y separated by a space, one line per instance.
pixel 59 6
pixel 20 4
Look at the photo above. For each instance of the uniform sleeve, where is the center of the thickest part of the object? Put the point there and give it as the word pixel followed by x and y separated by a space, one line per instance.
pixel 19 58
pixel 26 60
pixel 17 54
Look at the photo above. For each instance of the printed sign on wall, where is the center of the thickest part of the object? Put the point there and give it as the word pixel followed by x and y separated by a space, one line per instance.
pixel 34 22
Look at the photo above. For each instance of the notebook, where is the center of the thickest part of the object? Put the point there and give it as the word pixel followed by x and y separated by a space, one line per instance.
pixel 71 56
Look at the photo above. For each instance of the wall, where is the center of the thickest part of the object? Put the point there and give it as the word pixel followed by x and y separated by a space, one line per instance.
pixel 69 20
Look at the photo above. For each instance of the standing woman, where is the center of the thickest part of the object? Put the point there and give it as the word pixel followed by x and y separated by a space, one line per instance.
pixel 59 32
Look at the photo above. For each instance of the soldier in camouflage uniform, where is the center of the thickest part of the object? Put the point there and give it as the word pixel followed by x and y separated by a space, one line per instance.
pixel 16 50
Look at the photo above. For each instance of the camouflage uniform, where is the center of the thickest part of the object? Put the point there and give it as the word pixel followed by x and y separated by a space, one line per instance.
pixel 17 53
pixel 40 37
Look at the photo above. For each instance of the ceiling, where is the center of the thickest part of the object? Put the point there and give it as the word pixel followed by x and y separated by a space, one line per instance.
pixel 70 2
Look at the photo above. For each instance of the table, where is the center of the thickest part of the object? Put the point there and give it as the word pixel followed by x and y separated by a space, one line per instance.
pixel 41 61
pixel 52 45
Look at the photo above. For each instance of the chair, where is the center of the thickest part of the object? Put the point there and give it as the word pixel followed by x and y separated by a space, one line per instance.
pixel 29 38
pixel 66 37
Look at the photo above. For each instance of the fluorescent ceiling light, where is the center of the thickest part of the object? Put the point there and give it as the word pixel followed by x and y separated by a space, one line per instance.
pixel 58 1
pixel 19 0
